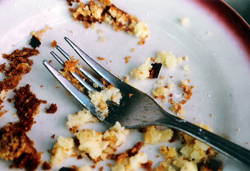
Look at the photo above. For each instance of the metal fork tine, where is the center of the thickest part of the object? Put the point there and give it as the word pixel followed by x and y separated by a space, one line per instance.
pixel 63 52
pixel 88 75
pixel 93 64
pixel 82 82
pixel 57 58
pixel 82 98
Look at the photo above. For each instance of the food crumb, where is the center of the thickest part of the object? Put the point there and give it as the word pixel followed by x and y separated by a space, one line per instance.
pixel 102 39
pixel 127 58
pixel 209 33
pixel 211 115
pixel 184 20
pixel 177 108
pixel 35 42
pixel 93 25
pixel 100 31
pixel 52 109
pixel 53 44
pixel 186 68
pixel 148 165
pixel 53 136
pixel 46 166
pixel 133 50
pixel 155 70
pixel 101 58
pixel 2 67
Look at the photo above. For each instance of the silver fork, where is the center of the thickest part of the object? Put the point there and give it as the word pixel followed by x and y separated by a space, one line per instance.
pixel 139 110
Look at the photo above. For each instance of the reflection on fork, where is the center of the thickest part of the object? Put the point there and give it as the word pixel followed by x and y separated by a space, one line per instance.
pixel 138 110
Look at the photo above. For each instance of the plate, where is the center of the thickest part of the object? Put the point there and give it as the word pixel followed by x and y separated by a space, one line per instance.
pixel 216 40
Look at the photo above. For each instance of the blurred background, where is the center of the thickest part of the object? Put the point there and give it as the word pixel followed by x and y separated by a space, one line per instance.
pixel 242 7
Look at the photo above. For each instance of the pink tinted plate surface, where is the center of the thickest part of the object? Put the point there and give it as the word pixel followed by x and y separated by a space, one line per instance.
pixel 216 41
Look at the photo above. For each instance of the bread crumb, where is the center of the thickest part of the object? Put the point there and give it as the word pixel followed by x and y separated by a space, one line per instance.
pixel 52 109
pixel 186 68
pixel 184 20
pixel 80 118
pixel 84 168
pixel 187 89
pixel 101 58
pixel 209 33
pixel 100 31
pixel 142 72
pixel 99 99
pixel 53 44
pixel 105 2
pixel 102 39
pixel 127 58
pixel 155 136
pixel 171 85
pixel 92 13
pixel 166 58
pixel 63 148
pixel 126 79
pixel 177 108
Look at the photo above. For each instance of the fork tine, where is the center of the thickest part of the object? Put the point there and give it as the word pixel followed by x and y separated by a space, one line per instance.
pixel 63 52
pixel 80 96
pixel 94 65
pixel 82 82
pixel 57 58
pixel 88 75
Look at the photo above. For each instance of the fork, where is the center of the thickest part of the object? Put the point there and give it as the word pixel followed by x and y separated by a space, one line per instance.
pixel 138 110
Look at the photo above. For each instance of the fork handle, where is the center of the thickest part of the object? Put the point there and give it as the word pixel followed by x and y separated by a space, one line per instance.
pixel 220 144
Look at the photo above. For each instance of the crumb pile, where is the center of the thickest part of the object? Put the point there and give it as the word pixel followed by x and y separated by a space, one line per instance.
pixel 106 12
pixel 96 145
pixel 15 144
pixel 160 88
pixel 19 64
pixel 100 146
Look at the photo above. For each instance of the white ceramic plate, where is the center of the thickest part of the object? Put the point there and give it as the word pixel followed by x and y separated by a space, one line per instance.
pixel 219 64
